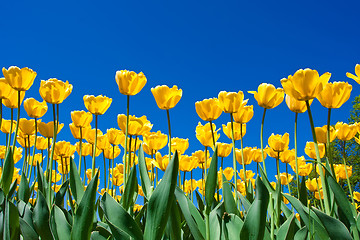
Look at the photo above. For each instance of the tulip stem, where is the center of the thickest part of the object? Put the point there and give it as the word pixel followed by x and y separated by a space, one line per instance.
pixel 262 141
pixel 234 156
pixel 296 159
pixel 34 147
pixel 112 170
pixel 104 170
pixel 11 127
pixel 242 158
pixel 168 118
pixel 205 158
pixel 49 173
pixel 17 123
pixel 329 155
pixel 212 134
pixel 322 177
pixel 126 137
pixel 80 150
pixel 84 159
pixel 94 148
pixel 347 175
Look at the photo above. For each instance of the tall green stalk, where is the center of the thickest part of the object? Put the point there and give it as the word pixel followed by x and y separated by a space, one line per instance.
pixel 80 150
pixel 234 157
pixel 328 148
pixel 17 123
pixel 262 141
pixel 242 158
pixel 52 155
pixel 296 159
pixel 94 148
pixel 125 163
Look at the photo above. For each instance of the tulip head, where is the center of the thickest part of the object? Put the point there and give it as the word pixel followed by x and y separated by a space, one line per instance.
pixel 334 95
pixel 295 105
pixel 155 140
pixel 34 108
pixel 268 96
pixel 97 105
pixel 19 79
pixel 130 83
pixel 81 118
pixel 321 134
pixel 237 129
pixel 223 149
pixel 204 134
pixel 5 89
pixel 208 109
pixel 244 114
pixel 305 84
pixel 357 73
pixel 137 126
pixel 279 143
pixel 230 102
pixel 345 132
pixel 54 91
pixel 165 97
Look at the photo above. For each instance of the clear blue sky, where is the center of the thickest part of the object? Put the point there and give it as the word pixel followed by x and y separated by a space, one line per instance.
pixel 204 47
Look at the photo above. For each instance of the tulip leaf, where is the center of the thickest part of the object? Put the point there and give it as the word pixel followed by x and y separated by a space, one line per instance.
pixel 303 192
pixel 288 229
pixel 8 172
pixel 42 183
pixel 199 201
pixel 173 226
pixel 24 190
pixel 118 219
pixel 197 228
pixel 144 176
pixel 76 185
pixel 60 228
pixel 211 180
pixel 246 204
pixel 25 213
pixel 41 217
pixel 255 221
pixel 266 181
pixel 13 187
pixel 312 222
pixel 215 223
pixel 84 214
pixel 11 222
pixel 27 231
pixel 59 197
pixel 229 201
pixel 335 228
pixel 232 225
pixel 130 191
pixel 160 202
pixel 301 234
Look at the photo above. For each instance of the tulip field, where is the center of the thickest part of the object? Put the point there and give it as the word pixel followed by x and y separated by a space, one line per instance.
pixel 145 188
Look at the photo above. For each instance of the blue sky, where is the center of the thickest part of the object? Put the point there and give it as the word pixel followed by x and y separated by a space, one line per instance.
pixel 203 47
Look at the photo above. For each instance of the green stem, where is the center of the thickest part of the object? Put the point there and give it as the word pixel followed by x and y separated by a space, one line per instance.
pixel 34 147
pixel 17 123
pixel 94 148
pixel 329 155
pixel 207 223
pixel 80 150
pixel 296 159
pixel 322 177
pixel 234 157
pixel 262 141
pixel 168 117
pixel 126 137
pixel 242 158
pixel 11 127
pixel 212 134
pixel 52 156
pixel 112 170
pixel 104 170
pixel 347 176
pixel 205 168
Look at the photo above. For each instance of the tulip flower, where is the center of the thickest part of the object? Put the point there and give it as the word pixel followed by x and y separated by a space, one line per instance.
pixel 237 128
pixel 230 102
pixel 204 134
pixel 268 96
pixel 81 119
pixel 187 163
pixel 12 100
pixel 279 143
pixel 5 126
pixel 97 105
pixel 305 84
pixel 321 134
pixel 287 156
pixel 248 155
pixel 345 132
pixel 313 184
pixel 155 140
pixel 294 105
pixel 79 132
pixel 115 136
pixel 165 97
pixel 357 194
pixel 19 79
pixel 334 95
pixel 208 109
pixel 357 72
pixel 136 126
pixel 340 171
pixel 34 108
pixel 228 173
pixel 41 143
pixel 161 162
pixel 55 91
pixel 64 149
pixel 47 129
pixel 180 145
pixel 130 83
pixel 310 150
pixel 5 89
pixel 244 114
pixel 223 149
pixel 285 178
pixel 249 174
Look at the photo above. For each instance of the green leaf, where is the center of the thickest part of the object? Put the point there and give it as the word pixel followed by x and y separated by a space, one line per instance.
pixel 11 222
pixel 287 229
pixel 266 181
pixel 60 228
pixel 84 214
pixel 303 192
pixel 246 204
pixel 24 190
pixel 76 185
pixel 42 184
pixel 160 202
pixel 25 213
pixel 118 219
pixel 13 187
pixel 41 217
pixel 215 223
pixel 301 234
pixel 197 228
pixel 199 202
pixel 131 189
pixel 232 225
pixel 229 201
pixel 335 228
pixel 59 197
pixel 255 221
pixel 8 172
pixel 310 222
pixel 144 176
pixel 173 227
pixel 211 180
pixel 27 231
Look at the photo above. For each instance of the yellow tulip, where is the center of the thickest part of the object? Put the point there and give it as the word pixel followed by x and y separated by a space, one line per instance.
pixel 313 184
pixel 5 126
pixel 187 163
pixel 230 102
pixel 188 185
pixel 137 126
pixel 249 174
pixel 310 150
pixel 224 149
pixel 2 152
pixel 345 132
pixel 269 151
pixel 34 108
pixel 117 179
pixel 161 162
pixel 155 140
pixel 321 134
pixel 97 105
pixel 12 100
pixel 55 177
pixel 204 134
pixel 356 194
pixel 86 148
pixel 63 168
pixel 115 136
pixel 27 126
pixel 64 149
pixel 279 143
pixel 305 84
pixel 103 142
pixel 240 186
pixel 165 97
pixel 295 105
pixel 237 129
pixel 54 91
pixel 19 79
pixel 334 95
pixel 317 195
pixel 285 179
pixel 179 144
pixel 81 118
pixel 257 155
pixel 129 82
pixel 47 129
pixel 357 72
pixel 111 153
pixel 41 143
pixel 244 114
pixel 229 173
pixel 25 140
pixel 37 159
pixel 134 145
pixel 340 171
pixel 90 136
pixel 76 131
pixel 17 155
pixel 287 156
pixel 5 89
pixel 268 96
pixel 248 155
pixel 200 155
pixel 208 109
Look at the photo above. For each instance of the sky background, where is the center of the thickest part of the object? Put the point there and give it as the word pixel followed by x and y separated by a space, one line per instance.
pixel 203 47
